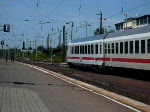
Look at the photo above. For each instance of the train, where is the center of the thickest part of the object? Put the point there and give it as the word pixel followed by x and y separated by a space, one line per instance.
pixel 129 48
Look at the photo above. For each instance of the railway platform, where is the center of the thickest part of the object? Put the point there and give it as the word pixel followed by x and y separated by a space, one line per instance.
pixel 28 88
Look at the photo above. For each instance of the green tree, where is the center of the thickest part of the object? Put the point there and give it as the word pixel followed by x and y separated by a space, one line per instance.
pixel 30 48
pixel 111 30
pixel 97 31
pixel 41 48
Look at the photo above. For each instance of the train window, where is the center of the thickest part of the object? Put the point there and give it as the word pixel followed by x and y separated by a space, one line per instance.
pixel 148 46
pixel 89 49
pixel 138 22
pixel 81 49
pixel 145 20
pixel 85 49
pixel 112 45
pixel 126 47
pixel 96 49
pixel 136 46
pixel 92 49
pixel 109 48
pixel 121 47
pixel 142 46
pixel 148 19
pixel 131 46
pixel 76 49
pixel 100 49
pixel 141 21
pixel 105 48
pixel 117 48
pixel 73 50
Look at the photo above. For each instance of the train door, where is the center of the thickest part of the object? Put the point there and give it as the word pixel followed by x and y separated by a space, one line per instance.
pixel 101 54
pixel 109 52
pixel 104 54
pixel 101 50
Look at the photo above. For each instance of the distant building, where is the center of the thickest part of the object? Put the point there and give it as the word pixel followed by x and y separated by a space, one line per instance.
pixel 130 23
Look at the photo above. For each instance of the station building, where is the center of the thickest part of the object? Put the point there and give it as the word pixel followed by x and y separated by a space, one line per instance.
pixel 133 22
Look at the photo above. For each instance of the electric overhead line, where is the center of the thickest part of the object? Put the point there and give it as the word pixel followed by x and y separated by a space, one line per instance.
pixel 98 19
pixel 129 10
pixel 46 16
pixel 121 12
pixel 54 9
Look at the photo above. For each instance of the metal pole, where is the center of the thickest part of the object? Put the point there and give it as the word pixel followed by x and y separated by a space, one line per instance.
pixel 100 27
pixel 86 28
pixel 101 23
pixel 126 21
pixel 71 30
pixel 104 25
pixel 2 51
pixel 60 38
pixel 35 49
pixel 66 33
pixel 63 46
pixel 30 48
pixel 51 49
pixel 48 42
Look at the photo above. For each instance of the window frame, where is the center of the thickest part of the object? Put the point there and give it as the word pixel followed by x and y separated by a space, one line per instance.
pixel 96 48
pixel 143 46
pixel 137 47
pixel 121 47
pixel 126 47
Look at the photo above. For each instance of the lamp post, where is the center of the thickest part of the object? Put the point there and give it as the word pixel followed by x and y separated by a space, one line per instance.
pixel 86 25
pixel 36 46
pixel 71 28
pixel 126 15
pixel 100 27
pixel 104 25
pixel 23 46
pixel 49 41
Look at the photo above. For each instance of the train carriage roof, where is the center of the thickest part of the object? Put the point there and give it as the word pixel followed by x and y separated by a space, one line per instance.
pixel 144 29
pixel 91 38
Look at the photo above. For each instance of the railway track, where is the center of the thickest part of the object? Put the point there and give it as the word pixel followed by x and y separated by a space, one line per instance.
pixel 121 82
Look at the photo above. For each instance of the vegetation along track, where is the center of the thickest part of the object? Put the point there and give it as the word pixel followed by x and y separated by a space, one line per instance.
pixel 129 83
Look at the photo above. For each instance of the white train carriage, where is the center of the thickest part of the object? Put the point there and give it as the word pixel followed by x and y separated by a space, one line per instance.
pixel 128 49
pixel 86 51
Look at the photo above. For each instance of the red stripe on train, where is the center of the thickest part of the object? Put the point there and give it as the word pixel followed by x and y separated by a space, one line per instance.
pixel 131 60
pixel 74 58
pixel 113 59
pixel 87 58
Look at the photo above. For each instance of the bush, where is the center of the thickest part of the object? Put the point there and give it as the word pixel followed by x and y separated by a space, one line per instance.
pixel 57 58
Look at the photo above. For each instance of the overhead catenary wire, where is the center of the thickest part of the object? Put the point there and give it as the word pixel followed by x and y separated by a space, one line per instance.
pixel 129 10
pixel 46 15
pixel 120 13
pixel 54 9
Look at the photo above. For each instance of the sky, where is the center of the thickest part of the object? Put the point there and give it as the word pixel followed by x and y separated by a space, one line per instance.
pixel 35 19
